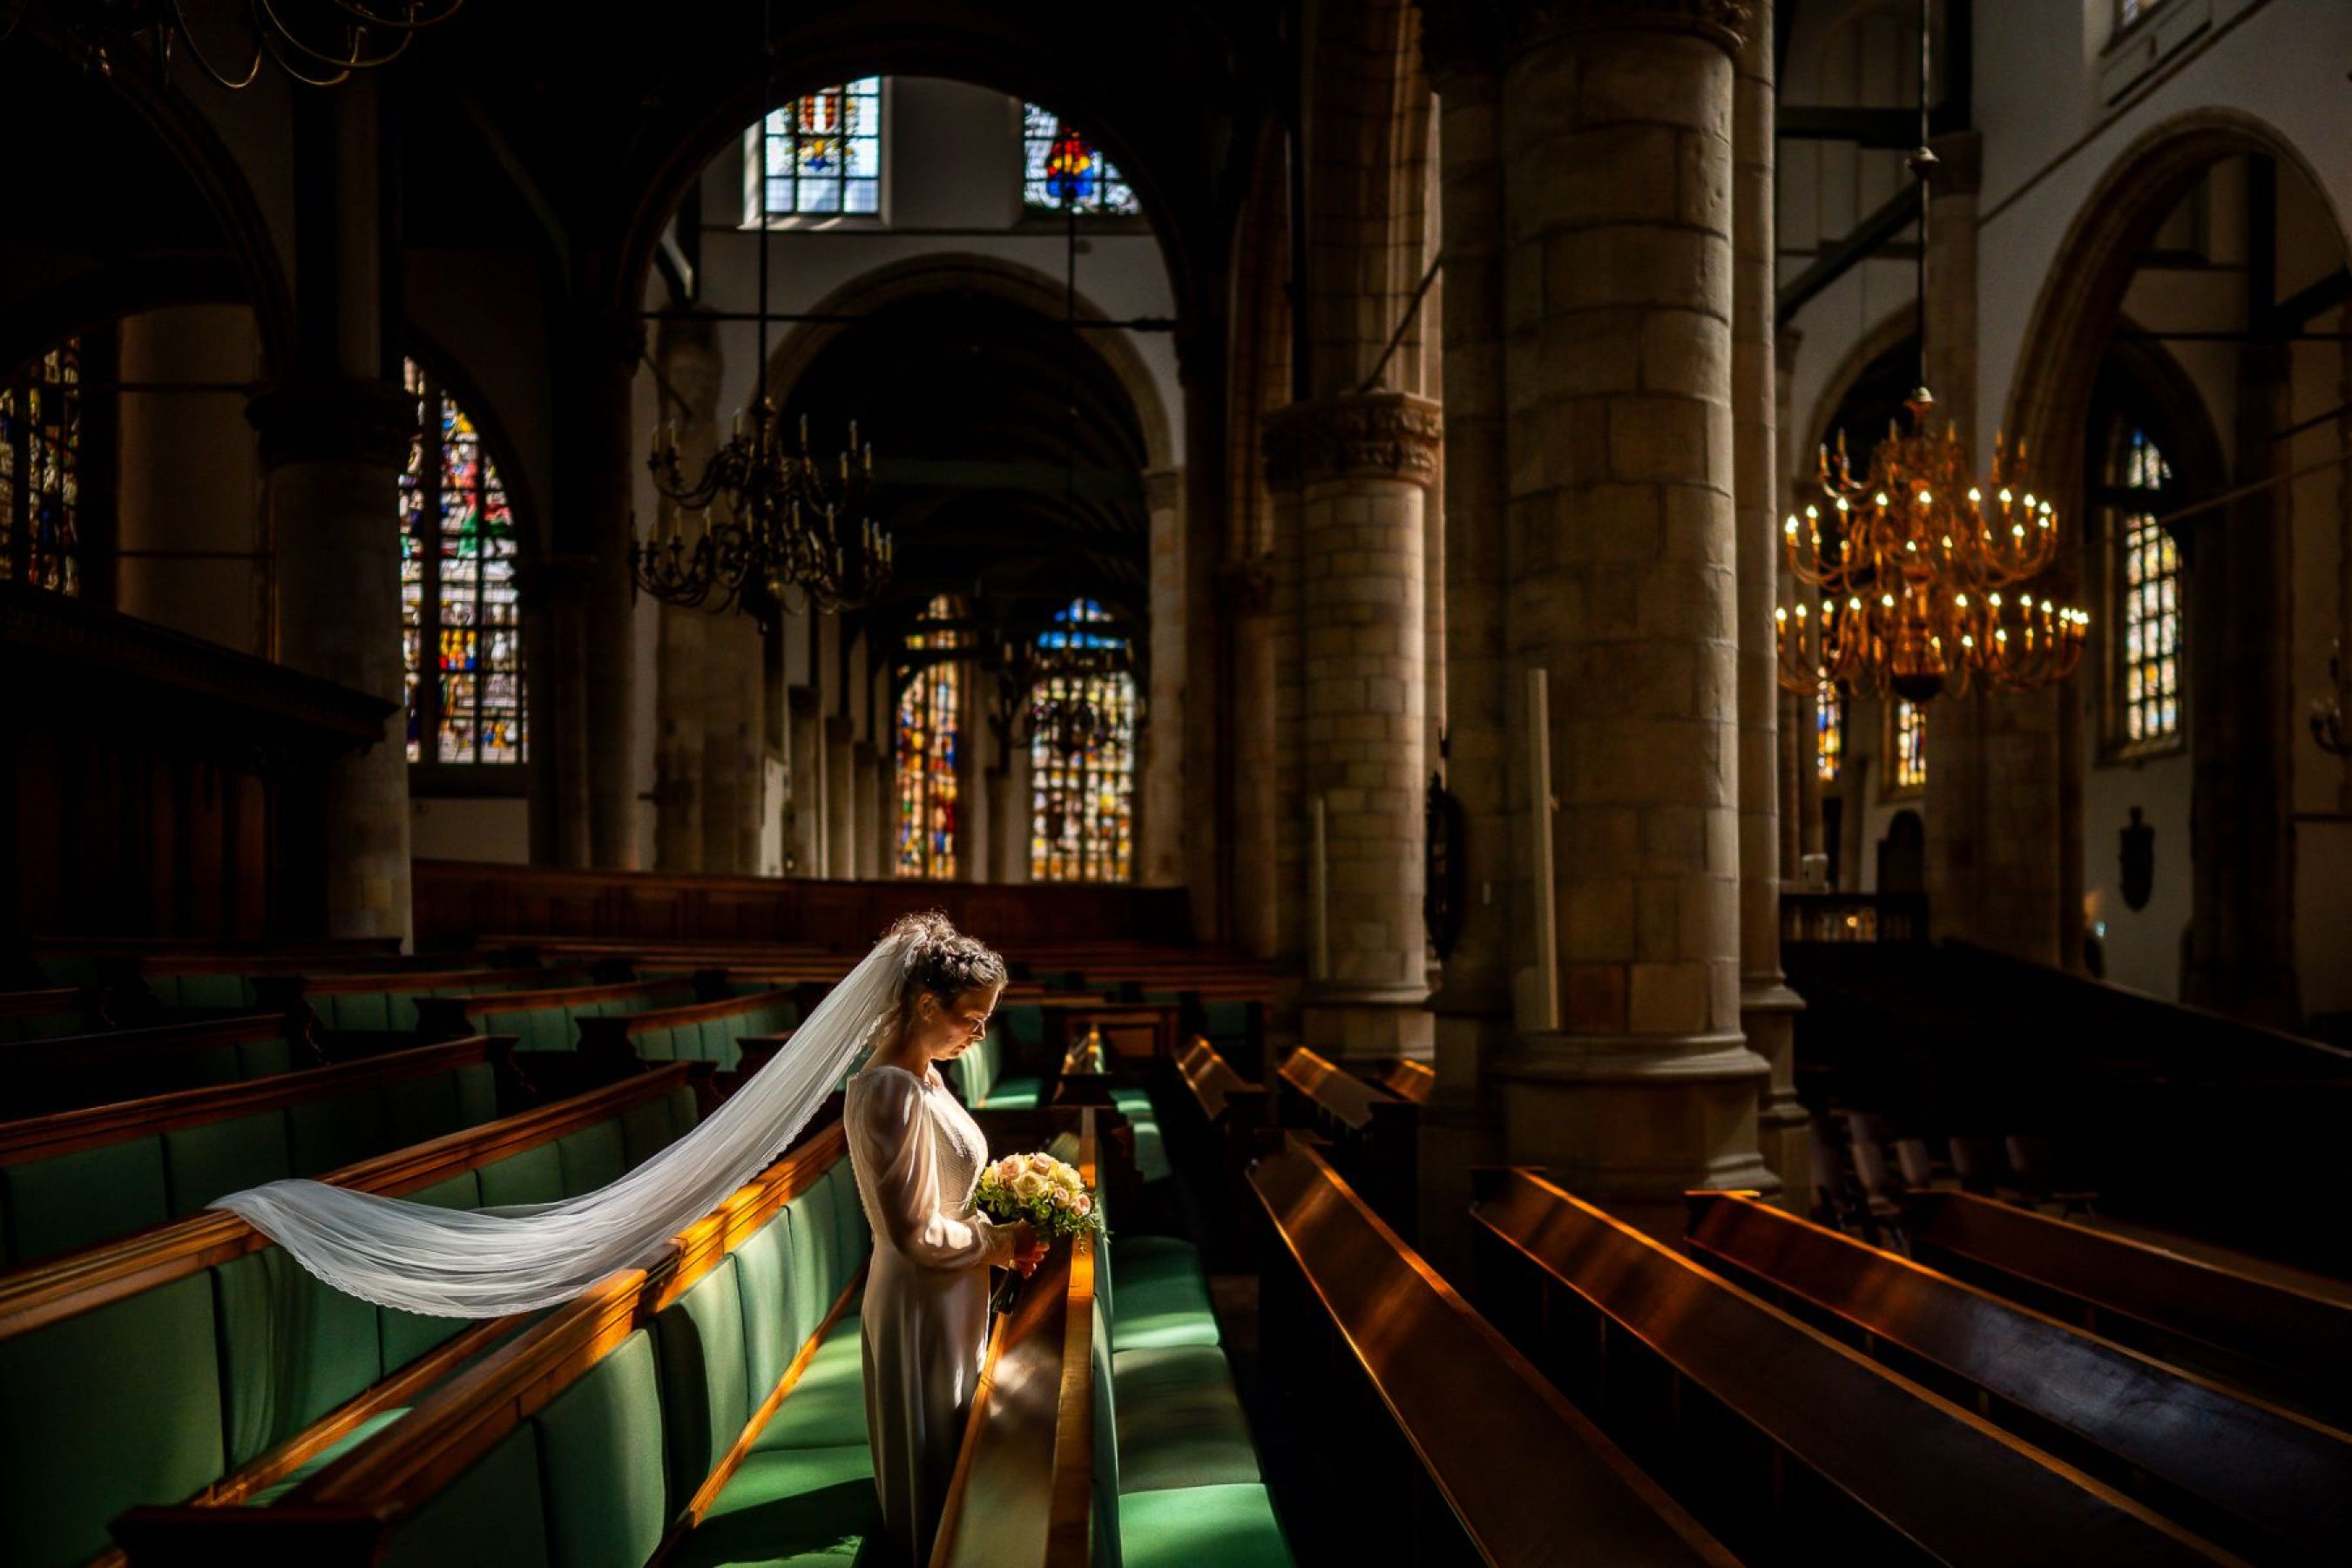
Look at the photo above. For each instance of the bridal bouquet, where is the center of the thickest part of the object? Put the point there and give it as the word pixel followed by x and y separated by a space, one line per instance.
pixel 1047 1193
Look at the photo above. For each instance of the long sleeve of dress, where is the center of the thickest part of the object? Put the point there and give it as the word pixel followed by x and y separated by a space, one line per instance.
pixel 919 1221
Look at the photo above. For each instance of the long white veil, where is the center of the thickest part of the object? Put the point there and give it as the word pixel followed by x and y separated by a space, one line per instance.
pixel 486 1263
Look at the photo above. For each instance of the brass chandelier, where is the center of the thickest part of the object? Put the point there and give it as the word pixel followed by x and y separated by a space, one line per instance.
pixel 1923 577
pixel 788 528
pixel 794 530
pixel 319 43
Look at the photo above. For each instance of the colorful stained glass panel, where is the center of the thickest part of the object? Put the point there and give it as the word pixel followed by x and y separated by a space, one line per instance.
pixel 40 472
pixel 2147 559
pixel 930 726
pixel 1910 761
pixel 457 580
pixel 1082 795
pixel 1063 172
pixel 821 155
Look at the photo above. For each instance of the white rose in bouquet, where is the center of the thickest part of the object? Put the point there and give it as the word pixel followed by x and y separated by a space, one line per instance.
pixel 1030 1185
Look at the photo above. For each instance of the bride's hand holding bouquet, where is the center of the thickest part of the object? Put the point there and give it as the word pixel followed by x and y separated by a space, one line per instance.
pixel 1046 1195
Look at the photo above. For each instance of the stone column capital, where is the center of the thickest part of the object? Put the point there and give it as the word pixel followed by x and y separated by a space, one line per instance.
pixel 314 419
pixel 1463 38
pixel 1371 435
pixel 1164 488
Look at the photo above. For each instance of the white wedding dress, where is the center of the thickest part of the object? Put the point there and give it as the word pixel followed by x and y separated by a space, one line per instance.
pixel 918 1153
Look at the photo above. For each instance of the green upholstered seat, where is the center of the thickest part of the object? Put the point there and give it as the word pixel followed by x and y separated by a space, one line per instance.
pixel 152 1397
pixel 603 1469
pixel 1151 1149
pixel 1180 1421
pixel 826 1408
pixel 1160 1295
pixel 495 1512
pixel 1231 1525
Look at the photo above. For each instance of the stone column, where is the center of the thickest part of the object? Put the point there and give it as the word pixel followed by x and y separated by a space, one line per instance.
pixel 1617 169
pixel 688 352
pixel 333 437
pixel 1009 815
pixel 841 796
pixel 1768 1008
pixel 596 353
pixel 1245 594
pixel 804 836
pixel 734 682
pixel 866 847
pixel 1472 1004
pixel 1161 810
pixel 1360 466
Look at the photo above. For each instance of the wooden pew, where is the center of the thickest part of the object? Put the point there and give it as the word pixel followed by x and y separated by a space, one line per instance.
pixel 355 1006
pixel 1445 1443
pixel 1408 1080
pixel 1023 1489
pixel 1790 1445
pixel 352 1511
pixel 1214 1145
pixel 1374 1136
pixel 2277 1344
pixel 714 1032
pixel 46 1012
pixel 2243 1474
pixel 71 1070
pixel 196 1359
pixel 74 1178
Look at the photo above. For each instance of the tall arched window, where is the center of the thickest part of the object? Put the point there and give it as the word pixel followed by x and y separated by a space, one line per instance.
pixel 1063 172
pixel 2145 635
pixel 458 592
pixel 40 472
pixel 817 156
pixel 1082 757
pixel 929 727
pixel 1906 748
pixel 1829 733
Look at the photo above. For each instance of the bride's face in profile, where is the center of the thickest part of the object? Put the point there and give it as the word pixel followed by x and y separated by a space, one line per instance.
pixel 945 1030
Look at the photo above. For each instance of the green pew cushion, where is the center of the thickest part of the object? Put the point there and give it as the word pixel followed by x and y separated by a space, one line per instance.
pixel 1180 1422
pixel 1160 1297
pixel 698 1342
pixel 326 1456
pixel 1150 1151
pixel 217 1157
pixel 99 1380
pixel 789 1508
pixel 593 1156
pixel 826 1408
pixel 292 1349
pixel 601 1462
pixel 533 1175
pixel 492 1513
pixel 1014 1094
pixel 1230 1525
pixel 73 1200
pixel 771 1337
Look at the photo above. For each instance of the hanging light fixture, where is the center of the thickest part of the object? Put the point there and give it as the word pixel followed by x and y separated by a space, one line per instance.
pixel 320 43
pixel 1924 575
pixel 790 526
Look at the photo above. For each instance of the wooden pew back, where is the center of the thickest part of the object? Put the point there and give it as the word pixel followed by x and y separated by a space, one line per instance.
pixel 66 1071
pixel 2279 1343
pixel 1782 1440
pixel 1493 1457
pixel 2241 1473
pixel 1374 1135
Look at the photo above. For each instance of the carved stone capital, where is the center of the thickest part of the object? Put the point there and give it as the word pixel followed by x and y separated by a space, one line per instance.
pixel 1376 435
pixel 1461 37
pixel 334 419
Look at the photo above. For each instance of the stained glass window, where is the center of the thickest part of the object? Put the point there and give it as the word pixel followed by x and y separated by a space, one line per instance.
pixel 820 155
pixel 927 735
pixel 1908 768
pixel 1829 733
pixel 457 591
pixel 2148 584
pixel 1082 757
pixel 40 477
pixel 1063 171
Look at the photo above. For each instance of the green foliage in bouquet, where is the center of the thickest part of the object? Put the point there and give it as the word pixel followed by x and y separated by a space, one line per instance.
pixel 1047 1193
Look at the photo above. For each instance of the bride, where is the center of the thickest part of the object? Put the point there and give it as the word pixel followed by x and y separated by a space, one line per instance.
pixel 921 996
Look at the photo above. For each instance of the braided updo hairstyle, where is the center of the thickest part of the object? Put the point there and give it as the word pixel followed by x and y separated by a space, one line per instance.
pixel 941 961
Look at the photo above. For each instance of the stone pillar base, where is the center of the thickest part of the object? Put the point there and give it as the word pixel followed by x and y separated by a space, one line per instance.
pixel 1768 1016
pixel 1631 1123
pixel 1349 1027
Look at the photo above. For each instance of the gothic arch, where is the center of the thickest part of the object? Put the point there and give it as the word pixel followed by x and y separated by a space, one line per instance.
pixel 2083 291
pixel 964 272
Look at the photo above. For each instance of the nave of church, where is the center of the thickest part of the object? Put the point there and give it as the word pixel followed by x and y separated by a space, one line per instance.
pixel 1646 697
